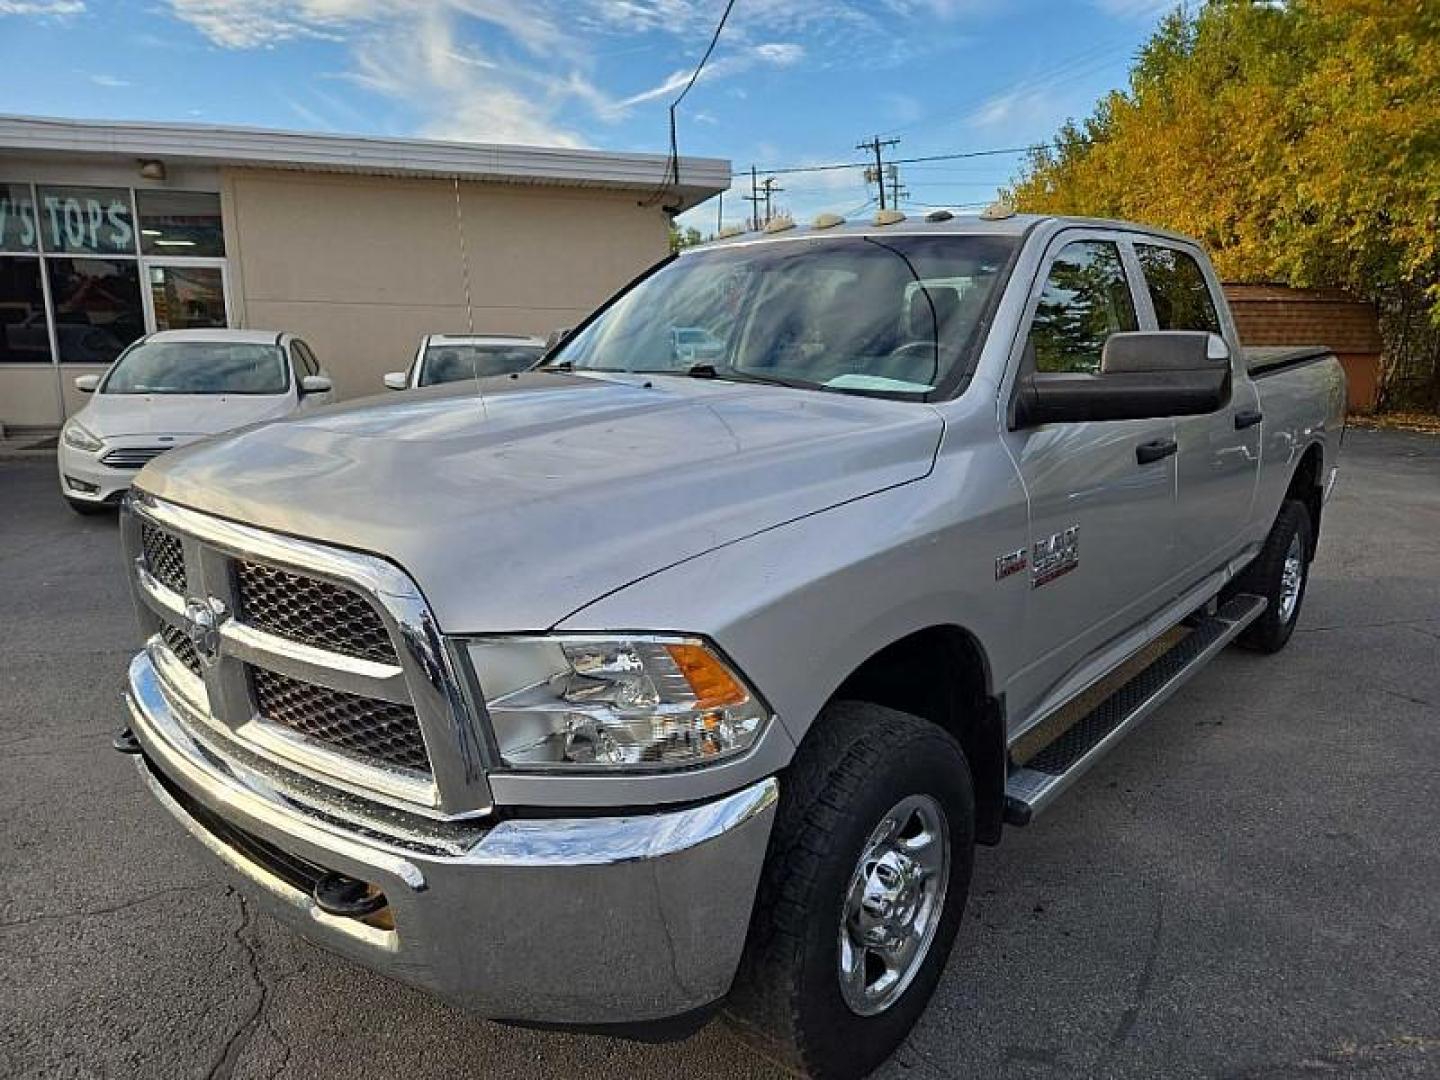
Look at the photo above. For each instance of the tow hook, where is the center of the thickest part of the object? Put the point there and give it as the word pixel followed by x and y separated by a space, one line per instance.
pixel 125 742
pixel 336 894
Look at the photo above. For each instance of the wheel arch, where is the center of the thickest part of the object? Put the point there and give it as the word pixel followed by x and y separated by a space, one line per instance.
pixel 1307 485
pixel 941 673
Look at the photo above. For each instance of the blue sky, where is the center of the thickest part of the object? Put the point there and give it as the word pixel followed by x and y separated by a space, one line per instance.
pixel 793 82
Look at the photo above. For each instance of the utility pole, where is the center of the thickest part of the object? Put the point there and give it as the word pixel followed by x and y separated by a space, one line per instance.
pixel 877 146
pixel 769 187
pixel 754 198
pixel 897 192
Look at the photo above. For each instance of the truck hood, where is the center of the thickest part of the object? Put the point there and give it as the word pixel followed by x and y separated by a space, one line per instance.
pixel 516 505
pixel 109 415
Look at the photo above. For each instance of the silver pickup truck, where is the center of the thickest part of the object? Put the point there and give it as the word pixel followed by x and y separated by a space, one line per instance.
pixel 638 686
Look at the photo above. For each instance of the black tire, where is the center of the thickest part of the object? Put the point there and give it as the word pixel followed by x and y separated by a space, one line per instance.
pixel 857 763
pixel 1265 577
pixel 88 509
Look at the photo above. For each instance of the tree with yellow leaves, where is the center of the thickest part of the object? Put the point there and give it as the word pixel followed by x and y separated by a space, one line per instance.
pixel 1299 141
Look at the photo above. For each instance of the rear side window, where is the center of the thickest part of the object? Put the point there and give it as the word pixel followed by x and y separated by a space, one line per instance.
pixel 1086 299
pixel 1178 289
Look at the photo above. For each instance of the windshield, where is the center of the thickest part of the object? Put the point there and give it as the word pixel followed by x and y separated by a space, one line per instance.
pixel 199 367
pixel 448 363
pixel 858 314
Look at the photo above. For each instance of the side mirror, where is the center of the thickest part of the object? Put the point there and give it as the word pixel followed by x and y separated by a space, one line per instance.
pixel 315 384
pixel 1143 375
pixel 87 384
pixel 397 380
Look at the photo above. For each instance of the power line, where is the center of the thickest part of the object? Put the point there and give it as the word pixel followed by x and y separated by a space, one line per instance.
pixel 672 167
pixel 877 145
pixel 832 166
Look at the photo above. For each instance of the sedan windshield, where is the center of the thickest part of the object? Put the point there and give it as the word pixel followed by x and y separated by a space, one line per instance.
pixel 864 314
pixel 199 367
pixel 449 363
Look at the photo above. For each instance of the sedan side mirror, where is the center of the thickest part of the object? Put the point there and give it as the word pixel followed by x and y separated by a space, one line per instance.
pixel 397 380
pixel 87 384
pixel 315 384
pixel 1143 374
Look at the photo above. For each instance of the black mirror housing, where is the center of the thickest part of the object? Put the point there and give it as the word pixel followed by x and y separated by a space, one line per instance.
pixel 1143 375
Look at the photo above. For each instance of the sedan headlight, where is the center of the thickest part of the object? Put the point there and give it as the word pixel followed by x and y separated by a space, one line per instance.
pixel 75 435
pixel 636 702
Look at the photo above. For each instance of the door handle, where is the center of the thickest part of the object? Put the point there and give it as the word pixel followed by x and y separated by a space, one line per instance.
pixel 1154 450
pixel 1246 418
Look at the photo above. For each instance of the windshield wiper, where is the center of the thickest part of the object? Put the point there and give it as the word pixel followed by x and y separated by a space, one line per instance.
pixel 728 373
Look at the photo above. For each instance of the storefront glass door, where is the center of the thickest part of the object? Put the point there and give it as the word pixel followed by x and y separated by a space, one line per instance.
pixel 186 295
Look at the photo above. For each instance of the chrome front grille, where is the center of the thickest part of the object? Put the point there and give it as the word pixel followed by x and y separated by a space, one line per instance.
pixel 379 730
pixel 324 661
pixel 312 611
pixel 164 556
pixel 178 642
pixel 132 457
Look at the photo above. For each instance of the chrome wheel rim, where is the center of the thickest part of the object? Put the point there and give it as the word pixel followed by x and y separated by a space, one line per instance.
pixel 1291 576
pixel 893 904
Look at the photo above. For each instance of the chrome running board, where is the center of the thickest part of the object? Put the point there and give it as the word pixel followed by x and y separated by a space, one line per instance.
pixel 1031 787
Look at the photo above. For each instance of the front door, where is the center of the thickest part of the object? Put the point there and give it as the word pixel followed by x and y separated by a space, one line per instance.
pixel 186 294
pixel 1101 539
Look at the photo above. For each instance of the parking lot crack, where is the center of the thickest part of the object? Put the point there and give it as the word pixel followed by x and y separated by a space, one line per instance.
pixel 239 1039
pixel 108 909
pixel 1143 982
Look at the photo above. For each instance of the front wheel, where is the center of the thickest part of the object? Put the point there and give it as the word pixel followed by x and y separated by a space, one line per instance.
pixel 862 891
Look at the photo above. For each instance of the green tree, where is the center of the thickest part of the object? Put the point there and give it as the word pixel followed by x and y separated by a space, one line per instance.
pixel 680 240
pixel 1300 141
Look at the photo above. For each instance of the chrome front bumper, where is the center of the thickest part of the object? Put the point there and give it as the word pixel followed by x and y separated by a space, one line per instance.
pixel 593 920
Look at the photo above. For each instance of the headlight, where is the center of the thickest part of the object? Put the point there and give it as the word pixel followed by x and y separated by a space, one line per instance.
pixel 76 436
pixel 639 702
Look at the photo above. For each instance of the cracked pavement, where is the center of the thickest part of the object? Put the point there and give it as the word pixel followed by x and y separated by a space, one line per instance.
pixel 1248 888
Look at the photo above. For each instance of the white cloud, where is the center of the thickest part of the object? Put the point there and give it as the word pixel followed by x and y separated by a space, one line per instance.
pixel 112 82
pixel 45 9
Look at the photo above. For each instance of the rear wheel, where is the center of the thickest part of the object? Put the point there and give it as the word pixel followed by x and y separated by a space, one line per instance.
pixel 862 892
pixel 1279 574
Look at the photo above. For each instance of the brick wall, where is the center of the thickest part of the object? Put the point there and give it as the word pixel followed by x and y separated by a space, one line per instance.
pixel 1280 315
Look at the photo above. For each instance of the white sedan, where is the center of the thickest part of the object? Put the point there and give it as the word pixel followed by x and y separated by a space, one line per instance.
pixel 444 358
pixel 174 387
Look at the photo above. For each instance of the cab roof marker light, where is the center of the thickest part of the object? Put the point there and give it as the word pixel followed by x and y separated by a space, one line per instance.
pixel 779 224
pixel 997 211
pixel 827 221
pixel 889 217
pixel 939 215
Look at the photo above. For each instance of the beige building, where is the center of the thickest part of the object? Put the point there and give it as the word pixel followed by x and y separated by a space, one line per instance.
pixel 360 245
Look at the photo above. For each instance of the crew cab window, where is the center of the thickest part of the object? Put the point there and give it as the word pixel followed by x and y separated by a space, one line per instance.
pixel 1086 299
pixel 1178 289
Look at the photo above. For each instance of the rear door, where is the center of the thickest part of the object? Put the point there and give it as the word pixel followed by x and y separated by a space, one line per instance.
pixel 1219 456
pixel 1101 521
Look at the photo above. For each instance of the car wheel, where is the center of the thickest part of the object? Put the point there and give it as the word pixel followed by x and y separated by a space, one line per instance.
pixel 1279 573
pixel 862 892
pixel 88 509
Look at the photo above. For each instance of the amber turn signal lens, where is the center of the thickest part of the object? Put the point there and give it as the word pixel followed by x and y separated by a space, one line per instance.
pixel 714 687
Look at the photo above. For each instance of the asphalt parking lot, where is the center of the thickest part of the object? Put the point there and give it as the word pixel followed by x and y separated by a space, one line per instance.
pixel 1249 887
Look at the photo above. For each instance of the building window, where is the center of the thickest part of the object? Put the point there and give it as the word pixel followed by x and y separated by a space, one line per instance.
pixel 86 221
pixel 24 336
pixel 180 223
pixel 17 218
pixel 187 297
pixel 98 310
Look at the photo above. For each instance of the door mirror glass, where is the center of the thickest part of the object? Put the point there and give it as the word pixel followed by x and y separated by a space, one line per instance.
pixel 396 380
pixel 87 384
pixel 315 384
